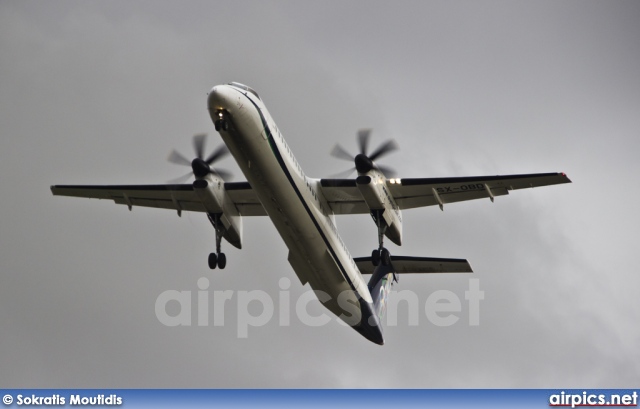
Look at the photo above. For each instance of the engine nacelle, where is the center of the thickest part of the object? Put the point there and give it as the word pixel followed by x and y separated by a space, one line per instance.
pixel 211 191
pixel 373 188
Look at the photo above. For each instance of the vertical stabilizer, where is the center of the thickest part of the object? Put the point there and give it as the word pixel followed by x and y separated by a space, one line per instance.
pixel 380 287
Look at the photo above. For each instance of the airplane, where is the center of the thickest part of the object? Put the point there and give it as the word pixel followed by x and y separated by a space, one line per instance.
pixel 303 209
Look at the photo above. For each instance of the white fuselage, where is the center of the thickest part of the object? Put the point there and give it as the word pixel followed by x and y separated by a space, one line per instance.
pixel 294 203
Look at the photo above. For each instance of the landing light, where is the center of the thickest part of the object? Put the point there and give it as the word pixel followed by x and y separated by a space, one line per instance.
pixel 395 181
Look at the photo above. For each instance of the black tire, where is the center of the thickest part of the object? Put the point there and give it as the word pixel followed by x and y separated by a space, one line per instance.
pixel 386 257
pixel 375 257
pixel 216 124
pixel 222 261
pixel 225 125
pixel 213 260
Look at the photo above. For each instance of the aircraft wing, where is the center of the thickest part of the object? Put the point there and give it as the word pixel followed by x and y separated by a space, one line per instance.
pixel 175 197
pixel 417 265
pixel 345 198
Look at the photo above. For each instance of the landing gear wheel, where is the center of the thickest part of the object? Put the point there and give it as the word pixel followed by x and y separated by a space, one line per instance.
pixel 222 261
pixel 217 259
pixel 375 257
pixel 213 260
pixel 385 257
pixel 381 254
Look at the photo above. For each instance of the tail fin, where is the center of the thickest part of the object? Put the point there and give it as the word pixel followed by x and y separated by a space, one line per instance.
pixel 379 287
pixel 383 276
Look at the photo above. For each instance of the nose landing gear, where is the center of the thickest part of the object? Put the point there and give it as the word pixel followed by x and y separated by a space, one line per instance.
pixel 221 123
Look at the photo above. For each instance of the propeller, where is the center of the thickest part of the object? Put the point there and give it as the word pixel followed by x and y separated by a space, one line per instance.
pixel 365 162
pixel 200 166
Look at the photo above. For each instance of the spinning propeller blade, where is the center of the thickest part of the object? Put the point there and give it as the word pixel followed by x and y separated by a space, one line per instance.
pixel 200 166
pixel 363 162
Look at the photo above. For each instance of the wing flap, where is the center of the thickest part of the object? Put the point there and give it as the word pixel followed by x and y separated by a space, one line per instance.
pixel 161 204
pixel 344 197
pixel 418 265
pixel 175 197
pixel 411 202
pixel 410 193
pixel 245 199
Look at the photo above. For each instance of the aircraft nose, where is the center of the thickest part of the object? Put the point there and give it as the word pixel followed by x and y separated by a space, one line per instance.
pixel 219 100
pixel 216 99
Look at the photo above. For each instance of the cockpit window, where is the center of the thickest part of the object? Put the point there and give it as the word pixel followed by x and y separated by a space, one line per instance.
pixel 245 88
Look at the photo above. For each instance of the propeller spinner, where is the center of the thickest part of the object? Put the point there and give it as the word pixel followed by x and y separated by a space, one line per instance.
pixel 364 162
pixel 200 166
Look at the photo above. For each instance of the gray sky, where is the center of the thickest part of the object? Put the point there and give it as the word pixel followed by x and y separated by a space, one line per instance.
pixel 99 92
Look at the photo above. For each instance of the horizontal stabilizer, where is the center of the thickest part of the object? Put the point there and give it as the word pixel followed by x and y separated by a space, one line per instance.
pixel 417 265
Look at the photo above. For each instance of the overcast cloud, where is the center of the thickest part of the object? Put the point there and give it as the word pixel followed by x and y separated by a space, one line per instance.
pixel 97 92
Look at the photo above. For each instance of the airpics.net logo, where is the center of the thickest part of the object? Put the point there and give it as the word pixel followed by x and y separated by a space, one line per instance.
pixel 590 399
pixel 204 307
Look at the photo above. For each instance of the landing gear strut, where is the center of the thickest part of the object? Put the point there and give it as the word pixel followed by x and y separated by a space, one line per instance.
pixel 221 123
pixel 218 258
pixel 380 254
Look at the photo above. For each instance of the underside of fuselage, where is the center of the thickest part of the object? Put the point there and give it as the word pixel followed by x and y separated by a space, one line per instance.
pixel 317 254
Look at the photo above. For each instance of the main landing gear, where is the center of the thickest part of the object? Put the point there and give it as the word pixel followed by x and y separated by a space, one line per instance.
pixel 381 254
pixel 217 259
